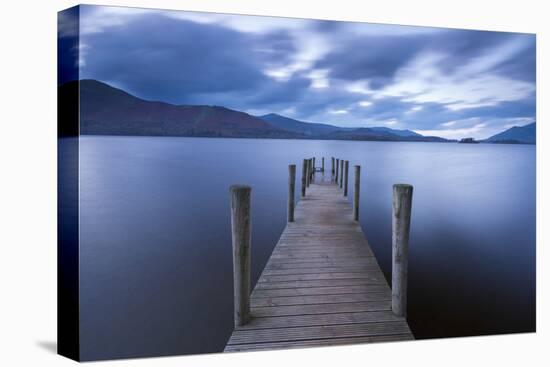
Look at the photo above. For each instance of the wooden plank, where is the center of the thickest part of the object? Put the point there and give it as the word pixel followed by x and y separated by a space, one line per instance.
pixel 318 343
pixel 319 320
pixel 318 332
pixel 321 308
pixel 321 263
pixel 374 276
pixel 291 263
pixel 303 256
pixel 311 291
pixel 321 270
pixel 318 283
pixel 319 299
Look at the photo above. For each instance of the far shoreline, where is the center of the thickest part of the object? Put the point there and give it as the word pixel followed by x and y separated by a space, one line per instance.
pixel 481 142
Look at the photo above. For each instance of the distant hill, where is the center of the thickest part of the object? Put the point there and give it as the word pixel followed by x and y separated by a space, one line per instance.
pixel 368 133
pixel 397 132
pixel 326 131
pixel 105 110
pixel 516 135
pixel 307 128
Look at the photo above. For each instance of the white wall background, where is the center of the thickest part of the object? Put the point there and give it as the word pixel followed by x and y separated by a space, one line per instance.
pixel 28 182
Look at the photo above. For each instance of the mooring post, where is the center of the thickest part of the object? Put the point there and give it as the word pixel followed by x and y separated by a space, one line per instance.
pixel 346 168
pixel 341 172
pixel 310 171
pixel 401 224
pixel 323 164
pixel 308 175
pixel 332 168
pixel 291 186
pixel 304 177
pixel 337 165
pixel 313 164
pixel 240 235
pixel 356 193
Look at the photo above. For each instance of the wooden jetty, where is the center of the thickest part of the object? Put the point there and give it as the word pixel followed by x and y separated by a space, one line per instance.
pixel 322 284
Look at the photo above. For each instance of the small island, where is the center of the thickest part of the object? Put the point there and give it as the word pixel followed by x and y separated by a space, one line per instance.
pixel 468 141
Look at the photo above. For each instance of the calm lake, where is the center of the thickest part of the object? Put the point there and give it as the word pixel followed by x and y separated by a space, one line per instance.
pixel 156 260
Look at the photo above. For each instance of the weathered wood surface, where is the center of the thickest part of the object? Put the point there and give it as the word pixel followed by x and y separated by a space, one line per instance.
pixel 322 284
pixel 240 233
pixel 401 222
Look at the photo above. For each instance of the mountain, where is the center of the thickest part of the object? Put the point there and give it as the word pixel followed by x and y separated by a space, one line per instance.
pixel 307 128
pixel 326 131
pixel 368 133
pixel 518 134
pixel 396 131
pixel 105 110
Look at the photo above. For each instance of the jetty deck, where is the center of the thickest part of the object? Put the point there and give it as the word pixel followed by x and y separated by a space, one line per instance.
pixel 322 284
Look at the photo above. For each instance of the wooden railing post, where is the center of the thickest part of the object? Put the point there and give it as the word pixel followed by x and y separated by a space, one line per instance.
pixel 346 168
pixel 304 177
pixel 401 223
pixel 332 168
pixel 291 186
pixel 341 173
pixel 240 235
pixel 356 193
pixel 313 162
pixel 337 166
pixel 323 164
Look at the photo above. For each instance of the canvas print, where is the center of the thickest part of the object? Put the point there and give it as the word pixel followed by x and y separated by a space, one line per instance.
pixel 234 183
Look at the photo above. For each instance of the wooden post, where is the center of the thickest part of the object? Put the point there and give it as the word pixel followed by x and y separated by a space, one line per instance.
pixel 337 166
pixel 304 177
pixel 401 223
pixel 240 235
pixel 313 162
pixel 346 168
pixel 291 186
pixel 332 168
pixel 356 193
pixel 323 164
pixel 341 172
pixel 308 176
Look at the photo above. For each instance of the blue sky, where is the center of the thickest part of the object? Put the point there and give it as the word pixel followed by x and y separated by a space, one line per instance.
pixel 444 82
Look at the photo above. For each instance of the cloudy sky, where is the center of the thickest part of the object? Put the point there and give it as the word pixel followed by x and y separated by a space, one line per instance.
pixel 449 83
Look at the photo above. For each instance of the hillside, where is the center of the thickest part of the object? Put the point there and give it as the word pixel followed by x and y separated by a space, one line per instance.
pixel 518 134
pixel 367 133
pixel 307 128
pixel 326 131
pixel 105 110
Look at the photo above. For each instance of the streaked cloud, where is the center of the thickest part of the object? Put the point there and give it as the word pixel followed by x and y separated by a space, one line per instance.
pixel 436 81
pixel 338 112
pixel 319 78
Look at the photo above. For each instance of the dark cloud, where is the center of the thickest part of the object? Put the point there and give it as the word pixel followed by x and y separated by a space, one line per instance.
pixel 378 57
pixel 371 57
pixel 522 67
pixel 160 58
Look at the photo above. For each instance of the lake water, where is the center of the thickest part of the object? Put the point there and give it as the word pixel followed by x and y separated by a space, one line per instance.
pixel 156 265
